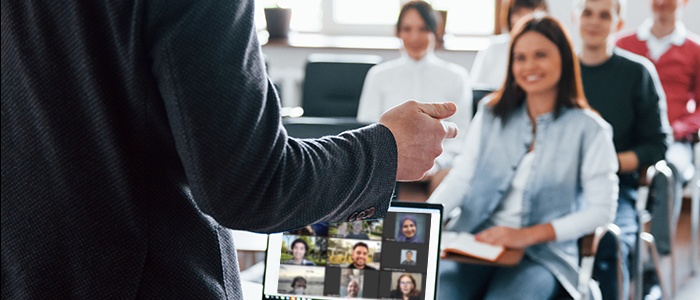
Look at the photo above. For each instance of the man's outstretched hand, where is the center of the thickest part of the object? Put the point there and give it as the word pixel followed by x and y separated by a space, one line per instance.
pixel 418 130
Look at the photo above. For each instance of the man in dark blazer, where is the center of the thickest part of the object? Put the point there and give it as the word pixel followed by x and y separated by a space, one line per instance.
pixel 133 132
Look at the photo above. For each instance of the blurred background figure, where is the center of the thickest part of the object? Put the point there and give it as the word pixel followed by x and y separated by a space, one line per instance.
pixel 625 89
pixel 418 74
pixel 675 52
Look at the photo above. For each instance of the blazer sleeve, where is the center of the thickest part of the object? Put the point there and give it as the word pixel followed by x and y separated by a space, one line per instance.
pixel 242 168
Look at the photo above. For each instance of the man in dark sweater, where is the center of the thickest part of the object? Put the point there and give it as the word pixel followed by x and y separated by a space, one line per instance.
pixel 624 88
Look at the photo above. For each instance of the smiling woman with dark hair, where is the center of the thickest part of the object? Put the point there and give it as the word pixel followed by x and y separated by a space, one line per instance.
pixel 546 169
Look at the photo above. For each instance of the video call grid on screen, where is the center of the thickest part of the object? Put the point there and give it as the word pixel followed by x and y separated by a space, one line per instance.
pixel 319 260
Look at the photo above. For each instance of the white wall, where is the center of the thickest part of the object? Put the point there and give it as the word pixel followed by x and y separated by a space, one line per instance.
pixel 287 63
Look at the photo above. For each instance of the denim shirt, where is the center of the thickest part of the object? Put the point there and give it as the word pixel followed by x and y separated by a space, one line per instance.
pixel 572 184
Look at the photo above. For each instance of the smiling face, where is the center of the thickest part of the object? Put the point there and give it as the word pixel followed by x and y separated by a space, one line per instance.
pixel 353 288
pixel 536 64
pixel 359 256
pixel 298 251
pixel 408 228
pixel 597 20
pixel 415 35
pixel 406 284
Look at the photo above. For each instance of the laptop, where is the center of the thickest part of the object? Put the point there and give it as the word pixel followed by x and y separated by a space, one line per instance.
pixel 369 259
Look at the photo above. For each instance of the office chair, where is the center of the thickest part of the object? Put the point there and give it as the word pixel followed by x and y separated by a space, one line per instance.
pixel 608 236
pixel 658 204
pixel 588 246
pixel 477 95
pixel 333 84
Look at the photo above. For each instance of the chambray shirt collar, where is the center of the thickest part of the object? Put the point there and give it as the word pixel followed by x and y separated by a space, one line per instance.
pixel 541 119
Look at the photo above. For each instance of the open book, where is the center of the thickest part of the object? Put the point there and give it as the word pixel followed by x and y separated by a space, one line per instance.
pixel 463 243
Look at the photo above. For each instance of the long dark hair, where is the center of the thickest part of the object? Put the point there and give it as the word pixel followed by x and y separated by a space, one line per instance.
pixel 512 6
pixel 569 88
pixel 425 11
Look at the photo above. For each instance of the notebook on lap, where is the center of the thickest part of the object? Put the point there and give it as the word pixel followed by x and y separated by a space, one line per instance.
pixel 370 259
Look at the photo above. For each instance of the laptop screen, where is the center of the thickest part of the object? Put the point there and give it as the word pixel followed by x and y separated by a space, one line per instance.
pixel 371 259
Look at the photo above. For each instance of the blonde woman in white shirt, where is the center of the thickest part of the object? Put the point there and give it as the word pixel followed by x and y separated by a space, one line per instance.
pixel 418 74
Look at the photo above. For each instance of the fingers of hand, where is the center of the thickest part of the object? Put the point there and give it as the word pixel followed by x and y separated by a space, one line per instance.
pixel 450 129
pixel 438 110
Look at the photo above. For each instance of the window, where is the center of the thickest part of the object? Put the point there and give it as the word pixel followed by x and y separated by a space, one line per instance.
pixel 378 17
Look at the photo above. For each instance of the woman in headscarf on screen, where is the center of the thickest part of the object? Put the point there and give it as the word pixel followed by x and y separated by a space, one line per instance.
pixel 408 230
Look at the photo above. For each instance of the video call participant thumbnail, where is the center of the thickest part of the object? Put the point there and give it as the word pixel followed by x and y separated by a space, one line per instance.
pixel 298 286
pixel 357 231
pixel 408 259
pixel 299 248
pixel 405 286
pixel 360 252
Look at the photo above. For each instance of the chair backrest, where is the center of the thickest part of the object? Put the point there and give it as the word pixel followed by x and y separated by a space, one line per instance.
pixel 333 84
pixel 664 205
pixel 308 127
pixel 477 95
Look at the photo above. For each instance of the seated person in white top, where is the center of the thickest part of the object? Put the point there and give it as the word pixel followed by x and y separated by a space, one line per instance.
pixel 490 64
pixel 418 74
pixel 539 173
